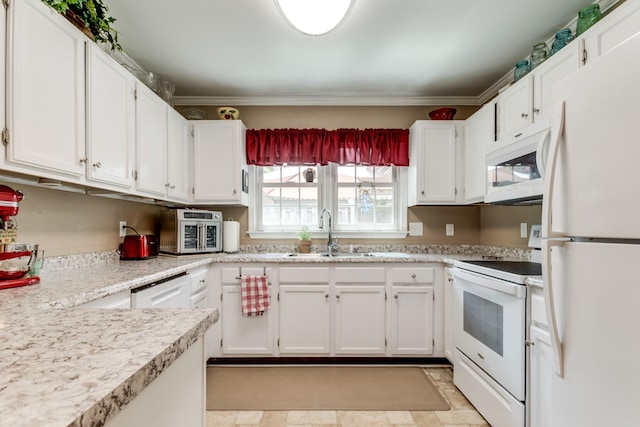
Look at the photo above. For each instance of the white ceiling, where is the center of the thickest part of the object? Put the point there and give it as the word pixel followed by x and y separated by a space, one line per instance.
pixel 243 51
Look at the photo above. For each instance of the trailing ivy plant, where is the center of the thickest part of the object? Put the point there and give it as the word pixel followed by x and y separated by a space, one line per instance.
pixel 95 17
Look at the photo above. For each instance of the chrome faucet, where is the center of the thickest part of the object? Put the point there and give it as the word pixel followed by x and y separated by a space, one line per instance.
pixel 331 245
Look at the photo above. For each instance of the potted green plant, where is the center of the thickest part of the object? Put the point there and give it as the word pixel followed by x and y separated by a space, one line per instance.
pixel 90 15
pixel 304 240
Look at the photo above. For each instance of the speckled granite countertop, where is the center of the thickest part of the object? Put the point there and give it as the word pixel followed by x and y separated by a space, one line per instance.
pixel 63 365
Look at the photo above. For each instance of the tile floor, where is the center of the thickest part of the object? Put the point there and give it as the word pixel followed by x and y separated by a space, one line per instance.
pixel 461 414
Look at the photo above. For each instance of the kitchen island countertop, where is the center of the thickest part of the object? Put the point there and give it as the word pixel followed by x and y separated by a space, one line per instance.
pixel 64 365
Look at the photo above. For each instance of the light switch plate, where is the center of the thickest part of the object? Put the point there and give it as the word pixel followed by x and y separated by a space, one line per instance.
pixel 449 230
pixel 523 230
pixel 415 229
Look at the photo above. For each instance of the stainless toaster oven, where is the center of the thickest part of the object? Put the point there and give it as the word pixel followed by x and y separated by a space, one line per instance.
pixel 190 231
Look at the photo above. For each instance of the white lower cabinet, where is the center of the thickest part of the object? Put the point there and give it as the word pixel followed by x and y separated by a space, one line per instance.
pixel 412 320
pixel 541 370
pixel 412 311
pixel 242 335
pixel 449 295
pixel 360 326
pixel 540 363
pixel 305 319
pixel 345 310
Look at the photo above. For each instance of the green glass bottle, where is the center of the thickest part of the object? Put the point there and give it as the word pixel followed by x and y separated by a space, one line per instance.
pixel 587 16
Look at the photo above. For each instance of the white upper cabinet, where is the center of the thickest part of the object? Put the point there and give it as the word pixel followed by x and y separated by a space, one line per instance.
pixel 46 92
pixel 529 99
pixel 616 27
pixel 151 142
pixel 110 120
pixel 433 170
pixel 479 133
pixel 560 65
pixel 219 162
pixel 178 138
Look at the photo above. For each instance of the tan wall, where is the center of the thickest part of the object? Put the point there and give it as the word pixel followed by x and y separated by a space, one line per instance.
pixel 500 225
pixel 256 117
pixel 64 223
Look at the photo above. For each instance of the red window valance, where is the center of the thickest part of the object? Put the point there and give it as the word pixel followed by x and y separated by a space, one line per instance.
pixel 369 147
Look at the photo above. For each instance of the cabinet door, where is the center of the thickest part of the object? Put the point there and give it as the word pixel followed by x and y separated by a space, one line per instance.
pixel 554 69
pixel 46 114
pixel 541 372
pixel 151 142
pixel 360 320
pixel 110 120
pixel 514 108
pixel 219 162
pixel 479 133
pixel 177 156
pixel 412 320
pixel 449 346
pixel 613 29
pixel 305 319
pixel 240 334
pixel 432 175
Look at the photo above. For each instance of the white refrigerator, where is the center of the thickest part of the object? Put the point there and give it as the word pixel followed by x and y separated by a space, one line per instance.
pixel 591 243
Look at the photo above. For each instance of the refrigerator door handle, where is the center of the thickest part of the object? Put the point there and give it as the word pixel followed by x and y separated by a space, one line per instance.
pixel 549 179
pixel 549 304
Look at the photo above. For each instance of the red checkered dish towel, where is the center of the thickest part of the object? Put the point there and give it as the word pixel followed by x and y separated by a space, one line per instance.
pixel 254 291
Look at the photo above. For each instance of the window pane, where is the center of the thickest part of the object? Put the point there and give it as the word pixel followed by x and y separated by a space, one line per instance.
pixel 384 174
pixel 346 173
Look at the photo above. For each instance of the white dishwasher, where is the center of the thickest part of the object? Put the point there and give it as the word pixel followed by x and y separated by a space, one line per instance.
pixel 174 292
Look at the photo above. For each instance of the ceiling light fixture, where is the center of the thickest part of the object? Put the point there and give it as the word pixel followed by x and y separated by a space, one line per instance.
pixel 314 17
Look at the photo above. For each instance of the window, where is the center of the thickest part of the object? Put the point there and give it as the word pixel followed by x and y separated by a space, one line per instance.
pixel 365 201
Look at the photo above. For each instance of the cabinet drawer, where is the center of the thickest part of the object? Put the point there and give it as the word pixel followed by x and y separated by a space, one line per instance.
pixel 304 275
pixel 360 275
pixel 198 279
pixel 413 275
pixel 538 313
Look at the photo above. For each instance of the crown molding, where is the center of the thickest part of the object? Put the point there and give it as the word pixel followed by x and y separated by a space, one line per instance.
pixel 360 101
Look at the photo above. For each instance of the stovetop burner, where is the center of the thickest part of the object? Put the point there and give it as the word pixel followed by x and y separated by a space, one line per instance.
pixel 521 268
pixel 512 271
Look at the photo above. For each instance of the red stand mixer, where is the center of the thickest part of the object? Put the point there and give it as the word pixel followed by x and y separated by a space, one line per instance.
pixel 16 259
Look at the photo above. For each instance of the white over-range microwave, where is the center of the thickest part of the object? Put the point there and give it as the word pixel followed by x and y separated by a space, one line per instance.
pixel 515 167
pixel 190 231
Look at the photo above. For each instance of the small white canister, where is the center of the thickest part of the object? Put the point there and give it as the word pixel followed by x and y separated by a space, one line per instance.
pixel 230 236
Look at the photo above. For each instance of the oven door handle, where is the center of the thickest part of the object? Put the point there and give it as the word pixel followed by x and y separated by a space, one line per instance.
pixel 490 283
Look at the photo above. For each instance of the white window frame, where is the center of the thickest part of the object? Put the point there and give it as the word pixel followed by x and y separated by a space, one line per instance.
pixel 326 174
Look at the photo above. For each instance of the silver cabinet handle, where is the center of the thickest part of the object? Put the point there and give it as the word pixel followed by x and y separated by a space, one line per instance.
pixel 337 296
pixel 413 276
pixel 529 343
pixel 536 110
pixel 524 115
pixel 97 165
pixel 395 296
pixel 83 160
pixel 326 296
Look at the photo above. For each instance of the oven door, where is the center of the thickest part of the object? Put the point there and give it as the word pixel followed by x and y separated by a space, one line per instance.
pixel 489 327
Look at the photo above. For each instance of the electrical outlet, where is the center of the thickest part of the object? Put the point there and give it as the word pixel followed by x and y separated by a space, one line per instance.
pixel 122 228
pixel 449 230
pixel 523 230
pixel 415 229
